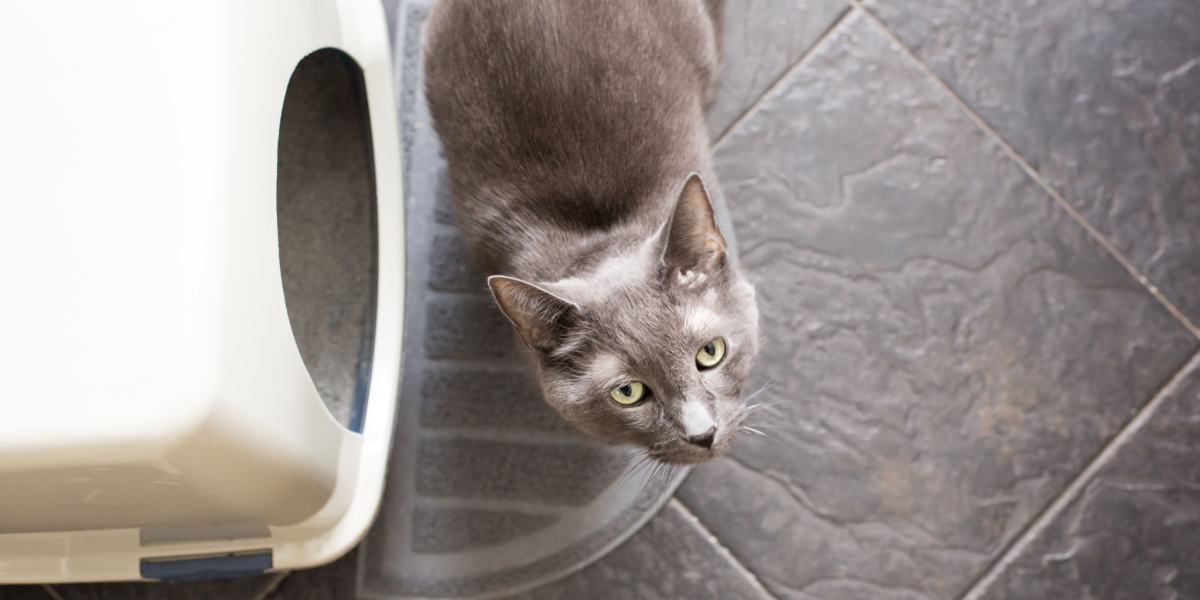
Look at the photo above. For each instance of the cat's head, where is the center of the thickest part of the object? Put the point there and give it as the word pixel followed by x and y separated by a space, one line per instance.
pixel 653 345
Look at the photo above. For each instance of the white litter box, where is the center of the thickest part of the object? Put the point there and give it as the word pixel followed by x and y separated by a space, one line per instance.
pixel 157 420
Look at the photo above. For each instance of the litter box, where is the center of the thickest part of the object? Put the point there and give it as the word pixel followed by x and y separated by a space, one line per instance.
pixel 157 419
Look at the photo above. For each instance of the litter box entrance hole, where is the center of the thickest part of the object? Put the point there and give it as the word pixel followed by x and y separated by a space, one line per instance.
pixel 328 238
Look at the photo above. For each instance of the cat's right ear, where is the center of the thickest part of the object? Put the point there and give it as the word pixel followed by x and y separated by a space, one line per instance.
pixel 693 247
pixel 540 317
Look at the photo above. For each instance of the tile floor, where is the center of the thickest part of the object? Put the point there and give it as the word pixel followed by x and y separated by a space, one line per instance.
pixel 975 228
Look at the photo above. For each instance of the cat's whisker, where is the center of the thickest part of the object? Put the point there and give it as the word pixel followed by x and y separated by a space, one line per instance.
pixel 759 416
pixel 765 435
pixel 645 480
pixel 660 470
pixel 750 408
pixel 648 472
pixel 629 473
pixel 636 457
pixel 766 386
pixel 669 472
pixel 755 431
pixel 647 465
pixel 654 471
pixel 761 406
pixel 779 428
pixel 639 460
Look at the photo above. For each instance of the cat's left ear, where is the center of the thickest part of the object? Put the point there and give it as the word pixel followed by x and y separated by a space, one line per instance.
pixel 693 244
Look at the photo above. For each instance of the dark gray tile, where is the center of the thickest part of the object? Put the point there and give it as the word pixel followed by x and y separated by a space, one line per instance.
pixel 669 558
pixel 1134 531
pixel 761 40
pixel 1101 96
pixel 23 592
pixel 240 588
pixel 334 581
pixel 948 346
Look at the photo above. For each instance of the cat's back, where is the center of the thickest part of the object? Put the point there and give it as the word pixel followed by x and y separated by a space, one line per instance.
pixel 565 110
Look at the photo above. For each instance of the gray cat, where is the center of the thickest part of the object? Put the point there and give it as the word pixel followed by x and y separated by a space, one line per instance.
pixel 577 151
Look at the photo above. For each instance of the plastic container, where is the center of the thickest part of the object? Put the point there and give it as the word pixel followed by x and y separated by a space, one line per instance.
pixel 156 418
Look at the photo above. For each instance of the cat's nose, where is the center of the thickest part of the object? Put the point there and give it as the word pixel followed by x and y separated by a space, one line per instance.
pixel 704 439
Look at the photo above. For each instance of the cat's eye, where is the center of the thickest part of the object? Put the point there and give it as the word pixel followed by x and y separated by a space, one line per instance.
pixel 711 354
pixel 629 394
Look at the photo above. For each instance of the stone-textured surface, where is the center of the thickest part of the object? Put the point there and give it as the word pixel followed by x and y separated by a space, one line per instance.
pixel 668 559
pixel 240 587
pixel 1134 531
pixel 1101 96
pixel 948 347
pixel 762 39
pixel 335 581
pixel 24 592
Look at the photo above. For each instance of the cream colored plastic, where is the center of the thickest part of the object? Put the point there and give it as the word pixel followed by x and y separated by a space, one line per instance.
pixel 152 394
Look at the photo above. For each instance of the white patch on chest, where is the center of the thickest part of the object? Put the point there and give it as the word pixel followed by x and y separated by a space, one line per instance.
pixel 696 418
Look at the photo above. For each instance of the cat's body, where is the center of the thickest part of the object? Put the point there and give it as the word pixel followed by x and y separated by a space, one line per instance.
pixel 555 126
pixel 570 127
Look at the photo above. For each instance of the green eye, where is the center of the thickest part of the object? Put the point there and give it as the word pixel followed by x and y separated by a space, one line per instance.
pixel 711 354
pixel 629 394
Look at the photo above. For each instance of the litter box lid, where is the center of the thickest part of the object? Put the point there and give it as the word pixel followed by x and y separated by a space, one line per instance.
pixel 156 418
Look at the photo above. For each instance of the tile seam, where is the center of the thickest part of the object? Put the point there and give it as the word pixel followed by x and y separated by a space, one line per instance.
pixel 721 549
pixel 785 75
pixel 987 577
pixel 1033 174
pixel 270 586
pixel 1030 533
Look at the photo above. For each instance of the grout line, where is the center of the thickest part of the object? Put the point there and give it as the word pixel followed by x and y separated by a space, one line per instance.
pixel 271 586
pixel 1030 533
pixel 691 518
pixel 784 76
pixel 267 590
pixel 1034 174
pixel 1042 520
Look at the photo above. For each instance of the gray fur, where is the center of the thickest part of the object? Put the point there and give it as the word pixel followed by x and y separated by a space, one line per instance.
pixel 576 145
